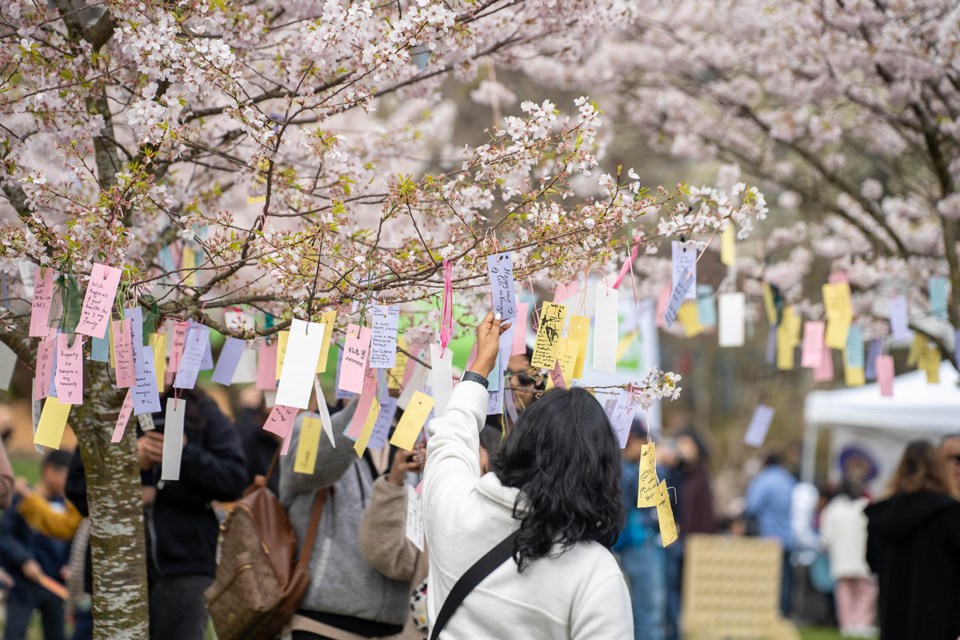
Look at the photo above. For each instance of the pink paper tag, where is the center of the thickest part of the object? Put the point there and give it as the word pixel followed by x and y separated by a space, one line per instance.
pixel 280 420
pixel 446 320
pixel 356 349
pixel 267 367
pixel 123 352
pixel 45 352
pixel 885 375
pixel 287 438
pixel 176 348
pixel 565 291
pixel 125 411
pixel 812 352
pixel 556 376
pixel 42 302
pixel 519 346
pixel 355 428
pixel 824 373
pixel 69 376
pixel 626 267
pixel 415 350
pixel 838 276
pixel 662 301
pixel 98 301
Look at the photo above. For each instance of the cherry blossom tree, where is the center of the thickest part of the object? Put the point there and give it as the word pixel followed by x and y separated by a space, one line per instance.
pixel 851 110
pixel 294 156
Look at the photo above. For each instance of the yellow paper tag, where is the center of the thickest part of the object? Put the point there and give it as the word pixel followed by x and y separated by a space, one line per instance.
pixel 405 435
pixel 668 526
pixel 579 332
pixel 836 299
pixel 547 344
pixel 769 305
pixel 160 357
pixel 395 374
pixel 785 350
pixel 930 362
pixel 308 445
pixel 917 349
pixel 566 356
pixel 282 339
pixel 837 329
pixel 329 319
pixel 792 325
pixel 728 245
pixel 361 444
pixel 113 349
pixel 689 318
pixel 853 376
pixel 53 419
pixel 648 491
pixel 188 263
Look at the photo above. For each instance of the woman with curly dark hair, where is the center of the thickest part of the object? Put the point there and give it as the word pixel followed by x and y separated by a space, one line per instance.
pixel 551 504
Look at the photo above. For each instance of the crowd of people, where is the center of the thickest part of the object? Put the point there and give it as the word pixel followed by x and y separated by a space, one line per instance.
pixel 534 527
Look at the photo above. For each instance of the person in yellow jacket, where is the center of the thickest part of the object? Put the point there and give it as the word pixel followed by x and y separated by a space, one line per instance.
pixel 38 514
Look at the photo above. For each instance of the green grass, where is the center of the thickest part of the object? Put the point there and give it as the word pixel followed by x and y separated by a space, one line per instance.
pixel 26 466
pixel 819 633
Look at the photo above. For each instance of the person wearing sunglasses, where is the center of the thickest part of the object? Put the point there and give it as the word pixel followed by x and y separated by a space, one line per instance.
pixel 950 448
pixel 519 369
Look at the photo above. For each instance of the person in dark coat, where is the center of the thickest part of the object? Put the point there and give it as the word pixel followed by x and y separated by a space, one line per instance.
pixel 689 476
pixel 182 527
pixel 259 445
pixel 913 545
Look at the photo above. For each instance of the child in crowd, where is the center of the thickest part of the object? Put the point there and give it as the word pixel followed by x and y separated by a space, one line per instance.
pixel 31 558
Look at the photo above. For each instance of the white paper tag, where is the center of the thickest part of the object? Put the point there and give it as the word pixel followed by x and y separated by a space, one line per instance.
pixel 441 377
pixel 172 439
pixel 414 518
pixel 732 312
pixel 8 360
pixel 605 330
pixel 323 411
pixel 685 259
pixel 300 364
pixel 417 380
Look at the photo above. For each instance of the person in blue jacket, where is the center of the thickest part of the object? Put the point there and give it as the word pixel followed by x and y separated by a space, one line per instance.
pixel 28 556
pixel 769 504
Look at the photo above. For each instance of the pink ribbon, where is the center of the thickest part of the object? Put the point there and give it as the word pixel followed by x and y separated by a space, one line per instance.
pixel 626 266
pixel 446 321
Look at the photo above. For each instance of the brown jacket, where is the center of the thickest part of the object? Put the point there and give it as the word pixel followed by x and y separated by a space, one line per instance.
pixel 384 543
pixel 6 479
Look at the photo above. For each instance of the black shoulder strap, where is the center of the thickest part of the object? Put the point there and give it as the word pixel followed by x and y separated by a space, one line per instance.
pixel 469 580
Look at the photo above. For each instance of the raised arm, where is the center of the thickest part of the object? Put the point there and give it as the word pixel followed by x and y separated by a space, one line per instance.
pixel 332 462
pixel 383 539
pixel 453 451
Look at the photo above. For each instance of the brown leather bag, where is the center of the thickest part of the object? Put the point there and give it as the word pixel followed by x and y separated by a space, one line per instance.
pixel 260 581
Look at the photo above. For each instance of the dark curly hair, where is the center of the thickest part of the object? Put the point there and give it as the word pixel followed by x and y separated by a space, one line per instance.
pixel 565 459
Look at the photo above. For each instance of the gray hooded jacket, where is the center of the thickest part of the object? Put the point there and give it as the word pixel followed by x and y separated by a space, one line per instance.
pixel 341 581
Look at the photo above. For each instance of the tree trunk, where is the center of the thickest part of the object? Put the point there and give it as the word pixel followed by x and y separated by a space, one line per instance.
pixel 116 513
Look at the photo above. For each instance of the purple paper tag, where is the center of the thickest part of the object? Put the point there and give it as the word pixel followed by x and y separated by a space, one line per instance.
pixel 229 358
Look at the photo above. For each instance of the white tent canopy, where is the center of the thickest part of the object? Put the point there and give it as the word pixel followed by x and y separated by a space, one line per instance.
pixel 916 410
